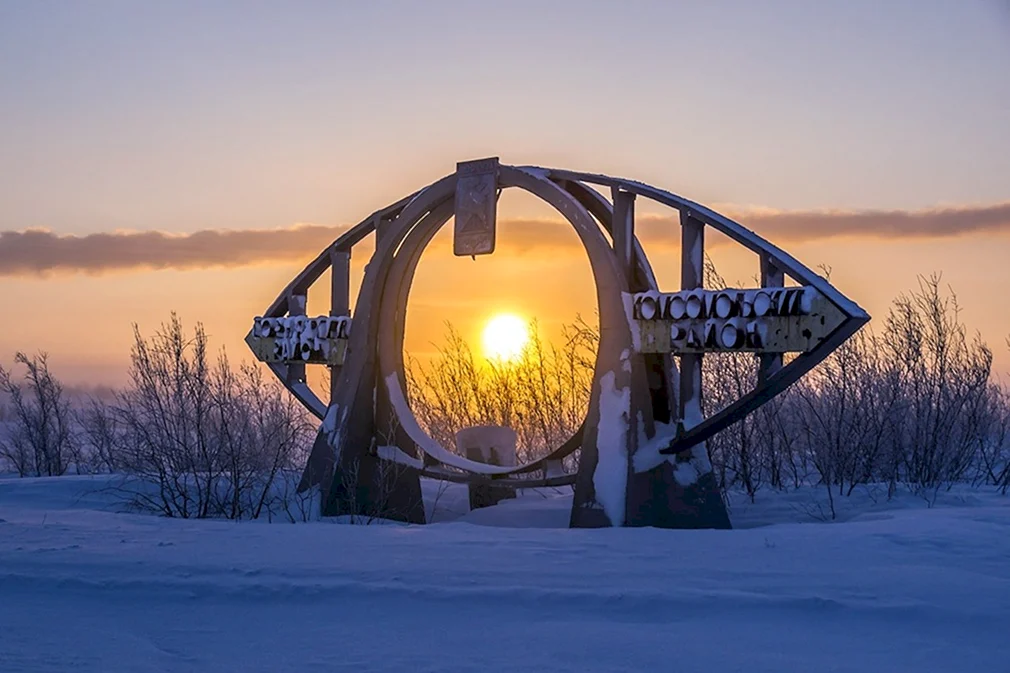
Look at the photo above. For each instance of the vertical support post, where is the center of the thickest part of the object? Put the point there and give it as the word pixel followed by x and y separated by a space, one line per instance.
pixel 296 307
pixel 692 276
pixel 624 232
pixel 771 276
pixel 381 229
pixel 673 495
pixel 386 426
pixel 340 299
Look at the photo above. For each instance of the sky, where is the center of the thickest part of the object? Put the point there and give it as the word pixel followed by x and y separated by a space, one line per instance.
pixel 869 137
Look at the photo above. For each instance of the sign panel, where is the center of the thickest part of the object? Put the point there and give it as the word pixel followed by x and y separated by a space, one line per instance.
pixel 766 320
pixel 476 207
pixel 299 339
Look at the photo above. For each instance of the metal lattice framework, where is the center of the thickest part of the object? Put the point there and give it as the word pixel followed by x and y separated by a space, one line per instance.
pixel 648 367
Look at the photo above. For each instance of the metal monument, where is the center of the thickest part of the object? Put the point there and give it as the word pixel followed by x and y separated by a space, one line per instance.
pixel 642 459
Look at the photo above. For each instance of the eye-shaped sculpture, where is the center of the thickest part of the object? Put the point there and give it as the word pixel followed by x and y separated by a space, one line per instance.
pixel 641 449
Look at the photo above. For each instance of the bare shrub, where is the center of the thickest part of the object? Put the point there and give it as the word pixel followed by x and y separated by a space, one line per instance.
pixel 39 439
pixel 992 439
pixel 98 429
pixel 288 503
pixel 913 406
pixel 843 412
pixel 736 453
pixel 543 395
pixel 382 503
pixel 201 440
pixel 745 454
pixel 944 379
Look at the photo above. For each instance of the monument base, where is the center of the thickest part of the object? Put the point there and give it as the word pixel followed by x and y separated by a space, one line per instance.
pixel 494 445
pixel 373 488
pixel 656 498
pixel 485 494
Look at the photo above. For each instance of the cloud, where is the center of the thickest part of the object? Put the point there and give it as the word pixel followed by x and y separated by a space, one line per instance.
pixel 804 226
pixel 37 252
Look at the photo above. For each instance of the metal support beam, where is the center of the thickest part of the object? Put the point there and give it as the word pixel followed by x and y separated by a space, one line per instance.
pixel 296 306
pixel 381 229
pixel 771 276
pixel 663 495
pixel 340 299
pixel 623 232
pixel 692 276
pixel 340 284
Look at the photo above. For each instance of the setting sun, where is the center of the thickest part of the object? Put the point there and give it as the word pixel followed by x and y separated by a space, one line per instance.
pixel 505 336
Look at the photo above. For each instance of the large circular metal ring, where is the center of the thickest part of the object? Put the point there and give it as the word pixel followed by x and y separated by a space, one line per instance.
pixel 414 236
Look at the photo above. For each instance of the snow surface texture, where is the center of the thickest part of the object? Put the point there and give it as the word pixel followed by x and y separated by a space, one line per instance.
pixel 896 587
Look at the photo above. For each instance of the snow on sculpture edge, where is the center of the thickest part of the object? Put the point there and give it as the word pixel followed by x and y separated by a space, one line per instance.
pixel 610 479
pixel 426 443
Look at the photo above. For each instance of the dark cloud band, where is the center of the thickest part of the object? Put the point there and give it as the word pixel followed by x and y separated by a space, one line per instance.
pixel 35 252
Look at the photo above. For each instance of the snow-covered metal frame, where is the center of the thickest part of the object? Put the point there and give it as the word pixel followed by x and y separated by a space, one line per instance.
pixel 641 448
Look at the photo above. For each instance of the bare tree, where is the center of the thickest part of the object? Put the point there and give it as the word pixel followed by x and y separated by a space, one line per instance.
pixel 97 432
pixel 741 454
pixel 380 478
pixel 40 440
pixel 201 440
pixel 992 438
pixel 944 376
pixel 543 395
pixel 914 406
pixel 994 449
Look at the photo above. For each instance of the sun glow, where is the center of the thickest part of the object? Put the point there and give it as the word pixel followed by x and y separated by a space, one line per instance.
pixel 504 337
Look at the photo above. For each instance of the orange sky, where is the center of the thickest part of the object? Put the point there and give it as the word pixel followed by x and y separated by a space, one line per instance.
pixel 870 137
pixel 84 320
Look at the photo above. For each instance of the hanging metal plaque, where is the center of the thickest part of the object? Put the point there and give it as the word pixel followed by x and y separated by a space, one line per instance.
pixel 476 206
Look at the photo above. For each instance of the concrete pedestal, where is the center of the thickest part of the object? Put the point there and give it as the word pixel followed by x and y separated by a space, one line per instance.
pixel 492 444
